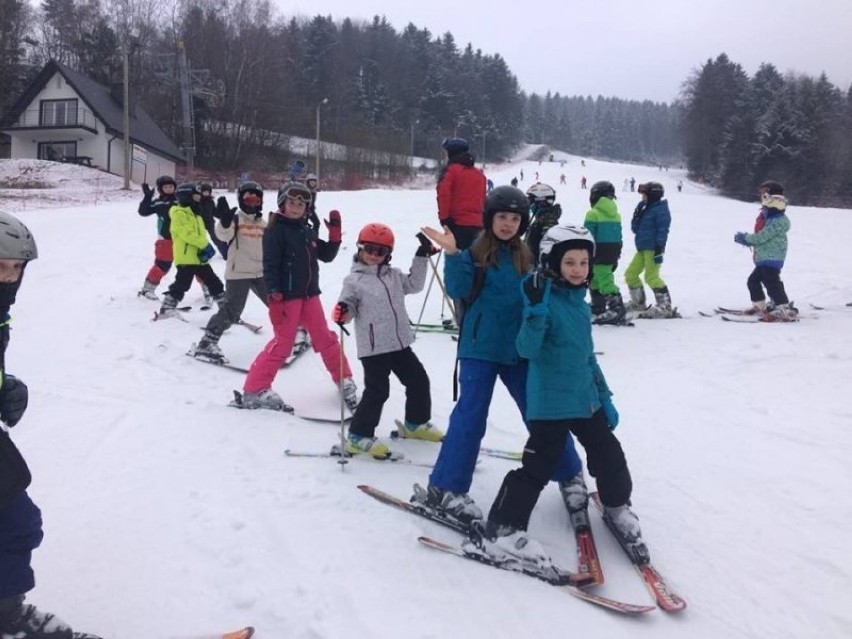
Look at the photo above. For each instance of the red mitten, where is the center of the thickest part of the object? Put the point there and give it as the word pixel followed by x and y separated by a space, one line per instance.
pixel 334 226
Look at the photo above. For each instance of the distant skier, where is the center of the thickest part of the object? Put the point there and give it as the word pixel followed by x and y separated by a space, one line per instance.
pixel 544 213
pixel 562 179
pixel 583 182
pixel 769 242
pixel 679 186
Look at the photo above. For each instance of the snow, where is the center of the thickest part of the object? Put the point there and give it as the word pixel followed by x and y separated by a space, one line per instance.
pixel 168 514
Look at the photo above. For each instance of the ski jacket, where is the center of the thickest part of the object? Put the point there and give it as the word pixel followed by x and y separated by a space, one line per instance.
pixel 604 223
pixel 651 224
pixel 375 296
pixel 491 323
pixel 245 246
pixel 189 235
pixel 461 192
pixel 14 473
pixel 291 250
pixel 160 207
pixel 564 380
pixel 770 242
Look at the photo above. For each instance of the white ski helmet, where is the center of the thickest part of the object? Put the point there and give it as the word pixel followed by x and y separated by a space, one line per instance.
pixel 16 241
pixel 561 238
pixel 540 192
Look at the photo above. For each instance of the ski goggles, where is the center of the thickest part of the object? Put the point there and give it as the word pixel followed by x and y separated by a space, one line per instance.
pixel 379 250
pixel 252 199
pixel 298 193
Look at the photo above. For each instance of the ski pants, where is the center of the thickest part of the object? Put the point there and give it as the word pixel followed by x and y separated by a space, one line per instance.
pixel 203 272
pixel 20 534
pixel 603 279
pixel 286 318
pixel 770 278
pixel 162 261
pixel 644 261
pixel 457 459
pixel 605 458
pixel 236 295
pixel 410 372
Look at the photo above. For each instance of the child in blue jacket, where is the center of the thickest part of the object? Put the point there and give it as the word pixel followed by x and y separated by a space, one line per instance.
pixel 650 224
pixel 487 276
pixel 566 393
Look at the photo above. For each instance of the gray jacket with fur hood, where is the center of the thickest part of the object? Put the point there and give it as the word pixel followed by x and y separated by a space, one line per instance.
pixel 375 296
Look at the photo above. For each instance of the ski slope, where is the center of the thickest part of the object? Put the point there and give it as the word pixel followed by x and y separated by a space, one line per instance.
pixel 167 513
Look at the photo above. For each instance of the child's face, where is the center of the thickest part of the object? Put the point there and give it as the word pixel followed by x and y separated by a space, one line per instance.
pixel 168 189
pixel 373 254
pixel 575 266
pixel 294 208
pixel 10 270
pixel 505 225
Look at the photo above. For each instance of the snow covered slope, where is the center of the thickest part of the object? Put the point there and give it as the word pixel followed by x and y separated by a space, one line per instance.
pixel 167 513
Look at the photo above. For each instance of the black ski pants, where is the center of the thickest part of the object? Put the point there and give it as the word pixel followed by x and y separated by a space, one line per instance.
pixel 410 372
pixel 183 280
pixel 770 278
pixel 604 457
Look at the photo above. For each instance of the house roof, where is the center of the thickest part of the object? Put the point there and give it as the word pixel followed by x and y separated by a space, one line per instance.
pixel 143 130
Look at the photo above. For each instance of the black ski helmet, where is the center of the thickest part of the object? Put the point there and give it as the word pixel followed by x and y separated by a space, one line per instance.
pixel 250 187
pixel 601 189
pixel 772 187
pixel 654 191
pixel 185 191
pixel 205 186
pixel 163 180
pixel 506 199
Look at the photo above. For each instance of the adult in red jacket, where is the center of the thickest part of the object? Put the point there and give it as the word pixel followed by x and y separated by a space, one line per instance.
pixel 461 192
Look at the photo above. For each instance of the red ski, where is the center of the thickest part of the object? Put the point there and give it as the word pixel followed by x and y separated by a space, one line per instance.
pixel 588 562
pixel 666 599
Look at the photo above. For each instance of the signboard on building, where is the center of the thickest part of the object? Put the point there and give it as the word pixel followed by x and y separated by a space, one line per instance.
pixel 139 154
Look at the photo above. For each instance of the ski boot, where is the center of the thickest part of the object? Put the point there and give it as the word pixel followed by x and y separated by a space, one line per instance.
pixel 24 621
pixel 575 496
pixel 637 300
pixel 267 399
pixel 350 394
pixel 782 313
pixel 168 308
pixel 663 309
pixel 624 524
pixel 458 507
pixel 357 444
pixel 511 548
pixel 208 349
pixel 427 432
pixel 148 291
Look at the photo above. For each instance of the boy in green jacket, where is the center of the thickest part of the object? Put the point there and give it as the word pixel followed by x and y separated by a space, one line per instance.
pixel 604 222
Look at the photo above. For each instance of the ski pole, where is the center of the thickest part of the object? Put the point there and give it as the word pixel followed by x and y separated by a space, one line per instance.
pixel 428 289
pixel 447 299
pixel 342 461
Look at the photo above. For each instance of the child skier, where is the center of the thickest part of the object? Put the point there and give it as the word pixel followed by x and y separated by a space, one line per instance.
pixel 20 519
pixel 158 206
pixel 604 223
pixel 291 250
pixel 650 224
pixel 769 242
pixel 242 231
pixel 192 251
pixel 544 211
pixel 566 393
pixel 488 276
pixel 374 296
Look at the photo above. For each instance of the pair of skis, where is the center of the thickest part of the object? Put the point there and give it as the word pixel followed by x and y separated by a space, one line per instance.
pixel 573 583
pixel 746 316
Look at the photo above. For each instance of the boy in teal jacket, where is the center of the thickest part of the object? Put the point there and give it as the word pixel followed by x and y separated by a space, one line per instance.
pixel 566 393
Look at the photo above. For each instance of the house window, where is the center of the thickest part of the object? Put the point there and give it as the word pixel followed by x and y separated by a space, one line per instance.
pixel 57 151
pixel 58 112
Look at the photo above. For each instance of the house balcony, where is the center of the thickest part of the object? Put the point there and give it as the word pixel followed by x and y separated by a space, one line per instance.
pixel 44 126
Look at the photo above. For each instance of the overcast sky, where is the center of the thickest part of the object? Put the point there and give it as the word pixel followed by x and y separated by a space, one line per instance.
pixel 624 48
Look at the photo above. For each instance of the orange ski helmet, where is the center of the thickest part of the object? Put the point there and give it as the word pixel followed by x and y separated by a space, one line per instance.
pixel 375 233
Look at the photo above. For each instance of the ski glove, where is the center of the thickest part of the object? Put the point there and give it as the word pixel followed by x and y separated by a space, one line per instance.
pixel 534 288
pixel 14 397
pixel 658 255
pixel 223 212
pixel 206 253
pixel 610 411
pixel 147 190
pixel 275 302
pixel 426 248
pixel 341 314
pixel 334 226
pixel 740 238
